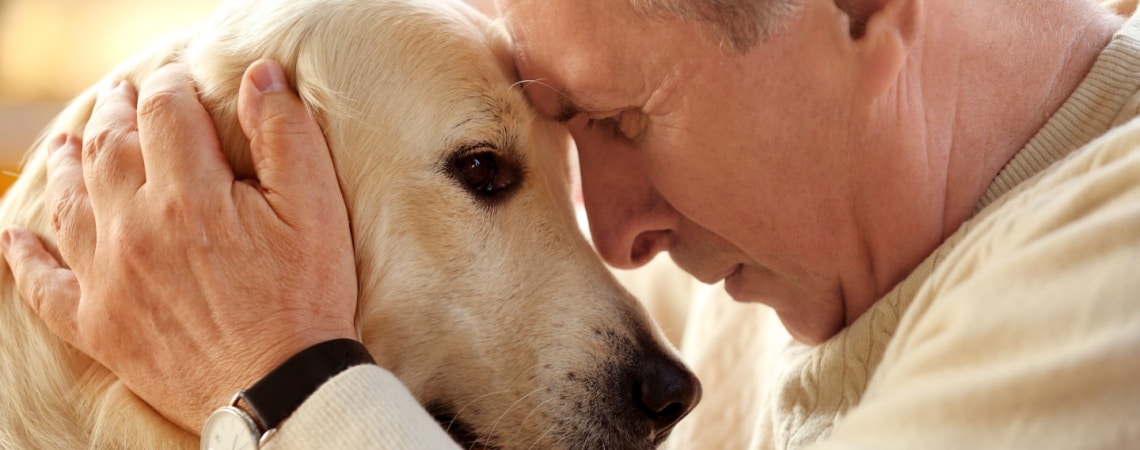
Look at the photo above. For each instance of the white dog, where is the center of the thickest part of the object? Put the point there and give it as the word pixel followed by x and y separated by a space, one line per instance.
pixel 476 288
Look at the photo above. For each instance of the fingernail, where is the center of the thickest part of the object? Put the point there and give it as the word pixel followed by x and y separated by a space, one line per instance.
pixel 268 77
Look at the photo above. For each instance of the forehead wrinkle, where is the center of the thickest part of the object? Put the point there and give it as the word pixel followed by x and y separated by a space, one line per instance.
pixel 567 78
pixel 570 104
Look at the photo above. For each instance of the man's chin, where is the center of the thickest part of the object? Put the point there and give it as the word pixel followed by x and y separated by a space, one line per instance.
pixel 746 285
pixel 810 330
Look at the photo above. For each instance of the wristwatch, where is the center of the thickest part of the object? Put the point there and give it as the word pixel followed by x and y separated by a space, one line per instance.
pixel 275 397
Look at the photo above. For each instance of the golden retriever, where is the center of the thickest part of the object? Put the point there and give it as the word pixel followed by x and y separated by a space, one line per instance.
pixel 476 288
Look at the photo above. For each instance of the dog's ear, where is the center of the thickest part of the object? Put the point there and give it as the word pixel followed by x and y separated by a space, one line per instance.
pixel 218 75
pixel 235 36
pixel 218 56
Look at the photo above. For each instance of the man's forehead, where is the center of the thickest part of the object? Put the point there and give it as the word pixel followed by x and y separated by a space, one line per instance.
pixel 503 6
pixel 553 19
pixel 554 52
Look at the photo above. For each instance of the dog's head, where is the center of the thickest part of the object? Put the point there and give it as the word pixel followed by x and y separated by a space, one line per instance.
pixel 477 290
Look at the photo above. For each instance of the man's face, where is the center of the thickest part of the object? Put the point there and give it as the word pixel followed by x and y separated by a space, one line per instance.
pixel 735 164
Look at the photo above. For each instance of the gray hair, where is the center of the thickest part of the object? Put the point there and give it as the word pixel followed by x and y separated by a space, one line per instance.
pixel 739 23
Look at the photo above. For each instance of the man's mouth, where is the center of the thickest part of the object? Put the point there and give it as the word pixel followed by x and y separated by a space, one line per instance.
pixel 713 279
pixel 732 283
pixel 735 272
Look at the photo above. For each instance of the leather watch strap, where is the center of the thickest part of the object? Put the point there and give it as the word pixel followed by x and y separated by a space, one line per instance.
pixel 276 396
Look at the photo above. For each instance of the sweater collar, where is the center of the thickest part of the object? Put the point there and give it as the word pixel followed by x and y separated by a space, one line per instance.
pixel 1106 98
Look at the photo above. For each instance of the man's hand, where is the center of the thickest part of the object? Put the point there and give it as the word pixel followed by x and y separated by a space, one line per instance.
pixel 188 284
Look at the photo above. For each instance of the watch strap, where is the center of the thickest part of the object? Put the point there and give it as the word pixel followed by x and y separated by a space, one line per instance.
pixel 282 391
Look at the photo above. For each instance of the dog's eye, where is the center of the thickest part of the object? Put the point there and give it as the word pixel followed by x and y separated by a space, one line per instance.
pixel 481 173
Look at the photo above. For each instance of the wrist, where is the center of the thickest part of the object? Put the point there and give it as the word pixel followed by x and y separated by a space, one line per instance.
pixel 276 395
pixel 266 352
pixel 255 412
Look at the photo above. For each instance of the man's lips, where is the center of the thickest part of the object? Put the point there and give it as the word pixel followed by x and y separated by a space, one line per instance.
pixel 732 284
pixel 723 275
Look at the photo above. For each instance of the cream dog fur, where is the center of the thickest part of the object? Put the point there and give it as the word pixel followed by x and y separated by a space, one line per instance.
pixel 487 304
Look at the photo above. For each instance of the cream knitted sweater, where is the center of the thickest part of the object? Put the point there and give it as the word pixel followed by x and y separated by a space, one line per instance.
pixel 1021 331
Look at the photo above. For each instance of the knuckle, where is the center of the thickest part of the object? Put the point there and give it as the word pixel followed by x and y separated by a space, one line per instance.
pixel 36 292
pixel 172 212
pixel 289 123
pixel 104 141
pixel 159 102
pixel 126 246
pixel 176 221
pixel 56 221
pixel 70 241
pixel 175 205
pixel 61 215
pixel 68 213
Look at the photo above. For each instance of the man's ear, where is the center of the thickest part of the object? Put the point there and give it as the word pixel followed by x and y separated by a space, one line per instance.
pixel 884 32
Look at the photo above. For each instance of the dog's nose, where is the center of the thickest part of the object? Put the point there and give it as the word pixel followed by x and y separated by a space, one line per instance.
pixel 664 391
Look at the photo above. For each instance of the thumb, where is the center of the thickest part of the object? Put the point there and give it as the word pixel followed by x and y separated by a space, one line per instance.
pixel 289 151
pixel 51 290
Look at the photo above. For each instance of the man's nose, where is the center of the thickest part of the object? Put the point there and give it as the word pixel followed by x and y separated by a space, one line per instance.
pixel 629 220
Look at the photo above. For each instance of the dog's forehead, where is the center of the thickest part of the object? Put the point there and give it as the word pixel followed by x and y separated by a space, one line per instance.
pixel 409 78
pixel 492 110
pixel 463 59
pixel 475 93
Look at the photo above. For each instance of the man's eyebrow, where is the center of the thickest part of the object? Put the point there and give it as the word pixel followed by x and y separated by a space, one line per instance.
pixel 566 110
pixel 572 103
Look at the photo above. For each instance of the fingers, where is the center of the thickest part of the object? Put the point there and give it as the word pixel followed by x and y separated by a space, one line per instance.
pixel 51 291
pixel 66 198
pixel 289 151
pixel 179 141
pixel 111 159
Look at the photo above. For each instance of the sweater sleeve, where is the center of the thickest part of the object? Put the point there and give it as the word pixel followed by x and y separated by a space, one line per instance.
pixel 364 407
pixel 1031 339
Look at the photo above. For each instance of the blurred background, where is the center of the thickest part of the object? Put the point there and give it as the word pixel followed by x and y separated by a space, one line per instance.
pixel 50 50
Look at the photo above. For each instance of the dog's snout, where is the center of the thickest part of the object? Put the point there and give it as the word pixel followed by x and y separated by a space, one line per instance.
pixel 664 391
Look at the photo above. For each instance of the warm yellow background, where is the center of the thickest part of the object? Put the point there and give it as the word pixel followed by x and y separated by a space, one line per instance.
pixel 50 50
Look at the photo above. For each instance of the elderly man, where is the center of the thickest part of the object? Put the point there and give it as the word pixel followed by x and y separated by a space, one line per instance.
pixel 939 197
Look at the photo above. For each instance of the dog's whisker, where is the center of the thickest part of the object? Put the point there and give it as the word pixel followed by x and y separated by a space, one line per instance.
pixel 526 82
pixel 491 431
pixel 487 435
pixel 536 408
pixel 471 402
pixel 539 81
pixel 539 439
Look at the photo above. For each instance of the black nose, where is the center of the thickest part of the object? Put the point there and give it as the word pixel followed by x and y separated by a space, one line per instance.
pixel 664 391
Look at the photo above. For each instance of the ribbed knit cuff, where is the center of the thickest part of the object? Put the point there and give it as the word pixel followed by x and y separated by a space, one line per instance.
pixel 364 407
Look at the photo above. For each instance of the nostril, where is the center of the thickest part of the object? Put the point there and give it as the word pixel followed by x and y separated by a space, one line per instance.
pixel 665 391
pixel 663 411
pixel 645 246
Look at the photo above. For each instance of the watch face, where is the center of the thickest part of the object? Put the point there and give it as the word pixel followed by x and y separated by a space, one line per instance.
pixel 229 428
